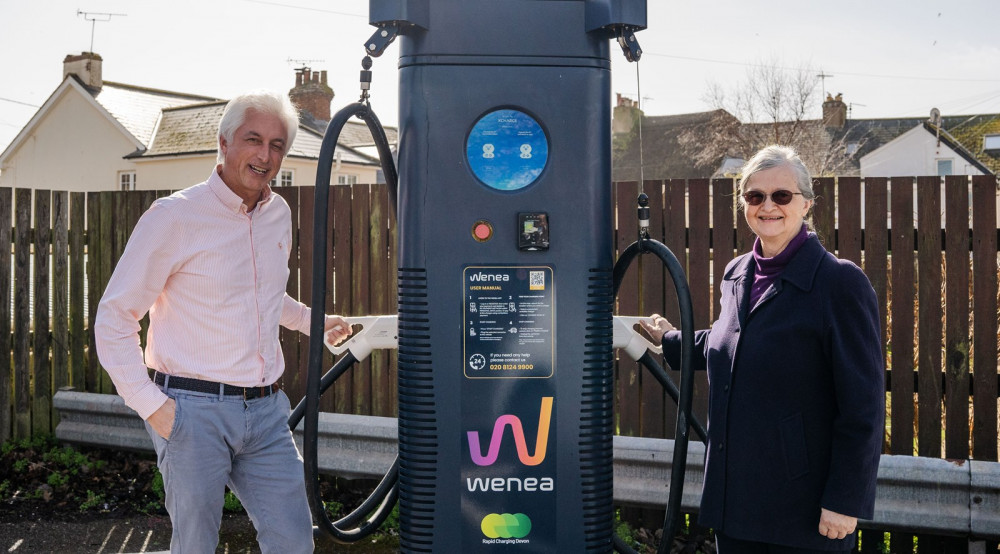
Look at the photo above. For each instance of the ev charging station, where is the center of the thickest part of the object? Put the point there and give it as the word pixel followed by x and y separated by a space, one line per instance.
pixel 506 276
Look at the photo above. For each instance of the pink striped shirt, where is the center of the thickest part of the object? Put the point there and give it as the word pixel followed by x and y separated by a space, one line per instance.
pixel 212 278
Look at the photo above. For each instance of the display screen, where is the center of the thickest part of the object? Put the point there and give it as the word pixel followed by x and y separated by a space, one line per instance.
pixel 507 149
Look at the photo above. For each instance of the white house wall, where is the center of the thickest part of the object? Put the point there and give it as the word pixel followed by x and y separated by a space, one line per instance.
pixel 173 173
pixel 73 147
pixel 915 152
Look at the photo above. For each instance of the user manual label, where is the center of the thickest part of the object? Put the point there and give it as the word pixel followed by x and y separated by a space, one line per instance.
pixel 509 323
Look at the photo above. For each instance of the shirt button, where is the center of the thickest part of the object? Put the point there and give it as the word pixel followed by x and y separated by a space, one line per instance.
pixel 725 388
pixel 722 445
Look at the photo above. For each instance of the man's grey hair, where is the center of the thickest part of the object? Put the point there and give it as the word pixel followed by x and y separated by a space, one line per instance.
pixel 262 101
pixel 777 156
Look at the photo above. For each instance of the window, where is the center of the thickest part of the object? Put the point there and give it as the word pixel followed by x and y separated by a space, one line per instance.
pixel 284 178
pixel 347 179
pixel 991 142
pixel 852 148
pixel 944 167
pixel 126 180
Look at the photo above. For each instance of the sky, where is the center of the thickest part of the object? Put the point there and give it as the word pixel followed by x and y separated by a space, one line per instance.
pixel 889 58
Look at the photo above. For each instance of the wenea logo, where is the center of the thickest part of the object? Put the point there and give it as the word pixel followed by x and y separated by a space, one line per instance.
pixel 495 483
pixel 541 441
pixel 506 528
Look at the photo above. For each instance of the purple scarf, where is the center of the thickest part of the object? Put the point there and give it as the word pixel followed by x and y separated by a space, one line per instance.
pixel 768 269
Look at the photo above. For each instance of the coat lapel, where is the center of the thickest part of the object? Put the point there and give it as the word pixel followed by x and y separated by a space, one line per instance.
pixel 737 279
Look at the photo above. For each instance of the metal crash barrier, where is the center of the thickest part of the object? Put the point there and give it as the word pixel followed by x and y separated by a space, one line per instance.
pixel 915 495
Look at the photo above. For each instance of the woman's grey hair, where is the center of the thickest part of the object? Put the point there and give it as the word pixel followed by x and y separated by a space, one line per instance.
pixel 777 156
pixel 267 102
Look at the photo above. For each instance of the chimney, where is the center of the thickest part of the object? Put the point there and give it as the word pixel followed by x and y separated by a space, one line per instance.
pixel 834 111
pixel 87 68
pixel 311 93
pixel 624 115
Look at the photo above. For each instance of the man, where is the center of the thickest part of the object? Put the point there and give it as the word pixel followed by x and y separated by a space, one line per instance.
pixel 210 265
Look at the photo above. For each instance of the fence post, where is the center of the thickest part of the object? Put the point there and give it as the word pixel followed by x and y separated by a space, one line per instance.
pixel 6 214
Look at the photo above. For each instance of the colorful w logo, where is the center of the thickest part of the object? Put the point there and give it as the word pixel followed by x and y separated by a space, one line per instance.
pixel 541 442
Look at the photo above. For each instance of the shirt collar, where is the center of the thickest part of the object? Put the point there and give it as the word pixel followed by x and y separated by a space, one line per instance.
pixel 230 199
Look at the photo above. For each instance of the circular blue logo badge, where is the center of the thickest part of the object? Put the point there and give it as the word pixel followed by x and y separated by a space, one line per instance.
pixel 507 149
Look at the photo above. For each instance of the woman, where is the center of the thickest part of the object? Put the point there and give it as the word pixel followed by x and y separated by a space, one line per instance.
pixel 796 408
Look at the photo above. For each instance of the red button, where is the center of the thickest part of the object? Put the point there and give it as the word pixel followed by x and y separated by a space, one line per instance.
pixel 482 231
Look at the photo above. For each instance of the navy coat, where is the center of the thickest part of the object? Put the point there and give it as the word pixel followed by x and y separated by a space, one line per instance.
pixel 796 400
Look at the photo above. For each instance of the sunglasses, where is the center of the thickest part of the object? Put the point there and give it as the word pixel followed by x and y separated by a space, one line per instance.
pixel 779 197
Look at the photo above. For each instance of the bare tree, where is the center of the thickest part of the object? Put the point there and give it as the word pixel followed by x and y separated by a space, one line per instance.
pixel 772 105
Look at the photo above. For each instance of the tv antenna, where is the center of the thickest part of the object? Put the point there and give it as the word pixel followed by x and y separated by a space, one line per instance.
pixel 304 64
pixel 822 79
pixel 93 18
pixel 850 108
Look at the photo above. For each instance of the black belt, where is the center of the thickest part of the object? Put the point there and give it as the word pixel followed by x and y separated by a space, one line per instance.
pixel 211 387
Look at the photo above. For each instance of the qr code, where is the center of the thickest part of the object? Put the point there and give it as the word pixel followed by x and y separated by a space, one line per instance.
pixel 536 280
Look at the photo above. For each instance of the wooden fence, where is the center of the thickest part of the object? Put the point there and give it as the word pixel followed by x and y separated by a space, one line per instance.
pixel 938 294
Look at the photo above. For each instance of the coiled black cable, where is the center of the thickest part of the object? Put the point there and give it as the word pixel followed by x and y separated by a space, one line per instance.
pixel 346 530
pixel 684 392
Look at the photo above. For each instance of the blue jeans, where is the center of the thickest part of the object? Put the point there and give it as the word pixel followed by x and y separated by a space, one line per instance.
pixel 220 441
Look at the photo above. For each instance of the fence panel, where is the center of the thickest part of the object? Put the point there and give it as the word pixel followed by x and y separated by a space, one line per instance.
pixel 849 230
pixel 22 313
pixel 699 271
pixel 903 278
pixel 957 300
pixel 876 255
pixel 343 275
pixel 95 287
pixel 327 401
pixel 984 342
pixel 383 390
pixel 674 231
pixel 77 294
pixel 361 299
pixel 824 211
pixel 723 238
pixel 41 398
pixel 6 374
pixel 929 318
pixel 60 294
pixel 106 261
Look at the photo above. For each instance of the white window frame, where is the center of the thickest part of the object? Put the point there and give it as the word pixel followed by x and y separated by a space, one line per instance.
pixel 126 180
pixel 347 179
pixel 991 142
pixel 284 178
pixel 950 164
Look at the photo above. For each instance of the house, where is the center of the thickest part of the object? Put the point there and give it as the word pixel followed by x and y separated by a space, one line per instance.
pixel 929 149
pixel 94 135
pixel 714 144
pixel 664 143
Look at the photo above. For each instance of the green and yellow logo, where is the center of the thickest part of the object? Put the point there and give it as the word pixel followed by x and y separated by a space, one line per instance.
pixel 506 526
